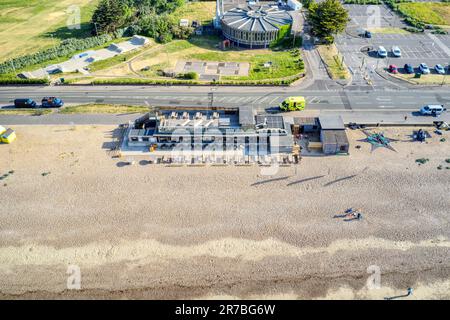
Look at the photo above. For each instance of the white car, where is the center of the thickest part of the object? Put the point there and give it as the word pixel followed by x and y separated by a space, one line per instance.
pixel 382 53
pixel 439 69
pixel 396 51
pixel 423 67
pixel 432 109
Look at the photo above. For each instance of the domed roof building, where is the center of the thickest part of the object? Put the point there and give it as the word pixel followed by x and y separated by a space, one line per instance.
pixel 254 26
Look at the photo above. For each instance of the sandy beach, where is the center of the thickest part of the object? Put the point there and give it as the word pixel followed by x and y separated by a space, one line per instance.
pixel 157 232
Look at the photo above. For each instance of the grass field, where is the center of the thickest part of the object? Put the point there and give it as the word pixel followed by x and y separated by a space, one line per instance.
pixel 27 26
pixel 429 79
pixel 389 31
pixel 25 111
pixel 200 11
pixel 428 12
pixel 163 57
pixel 43 24
pixel 107 63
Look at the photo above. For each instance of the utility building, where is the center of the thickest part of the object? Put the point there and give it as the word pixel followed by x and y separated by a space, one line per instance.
pixel 333 136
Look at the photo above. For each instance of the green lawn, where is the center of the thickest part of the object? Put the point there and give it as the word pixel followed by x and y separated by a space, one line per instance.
pixel 428 12
pixel 284 62
pixel 103 108
pixel 25 111
pixel 107 63
pixel 202 11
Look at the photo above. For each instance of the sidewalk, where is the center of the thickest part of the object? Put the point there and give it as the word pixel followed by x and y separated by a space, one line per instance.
pixel 369 117
pixel 387 118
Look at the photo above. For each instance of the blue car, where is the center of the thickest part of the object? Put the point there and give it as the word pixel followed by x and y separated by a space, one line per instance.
pixel 25 103
pixel 52 102
pixel 368 34
pixel 408 68
pixel 439 69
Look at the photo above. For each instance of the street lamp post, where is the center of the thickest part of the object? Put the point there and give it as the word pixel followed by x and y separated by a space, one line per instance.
pixel 54 45
pixel 95 26
pixel 14 67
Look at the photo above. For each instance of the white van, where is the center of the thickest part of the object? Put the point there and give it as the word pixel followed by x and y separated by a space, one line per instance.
pixel 432 109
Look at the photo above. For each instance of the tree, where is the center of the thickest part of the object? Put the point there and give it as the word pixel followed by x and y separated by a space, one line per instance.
pixel 148 17
pixel 110 15
pixel 327 19
pixel 307 3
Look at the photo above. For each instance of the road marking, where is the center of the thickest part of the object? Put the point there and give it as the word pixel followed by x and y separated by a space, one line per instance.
pixel 274 99
pixel 439 43
pixel 389 111
pixel 261 100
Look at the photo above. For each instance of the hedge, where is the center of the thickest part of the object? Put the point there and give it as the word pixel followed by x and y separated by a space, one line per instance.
pixel 275 82
pixel 65 48
pixel 189 76
pixel 371 2
pixel 6 81
pixel 145 82
pixel 284 31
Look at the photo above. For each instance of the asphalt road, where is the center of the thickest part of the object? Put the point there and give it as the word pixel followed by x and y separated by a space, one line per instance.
pixel 262 98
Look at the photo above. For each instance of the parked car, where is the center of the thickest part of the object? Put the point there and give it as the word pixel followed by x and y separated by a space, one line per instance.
pixel 25 103
pixel 424 68
pixel 439 69
pixel 432 109
pixel 52 102
pixel 368 34
pixel 393 69
pixel 396 51
pixel 408 68
pixel 382 53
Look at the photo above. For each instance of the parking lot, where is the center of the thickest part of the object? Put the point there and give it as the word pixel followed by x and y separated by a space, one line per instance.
pixel 416 49
pixel 360 54
pixel 372 16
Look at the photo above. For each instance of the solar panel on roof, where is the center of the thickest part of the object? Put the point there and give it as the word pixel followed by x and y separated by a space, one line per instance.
pixel 271 121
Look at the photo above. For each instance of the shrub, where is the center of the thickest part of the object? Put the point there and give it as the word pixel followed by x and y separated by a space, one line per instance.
pixel 12 80
pixel 283 32
pixel 132 81
pixel 413 30
pixel 189 76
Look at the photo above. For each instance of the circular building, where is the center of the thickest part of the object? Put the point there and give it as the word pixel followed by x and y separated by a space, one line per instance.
pixel 254 26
